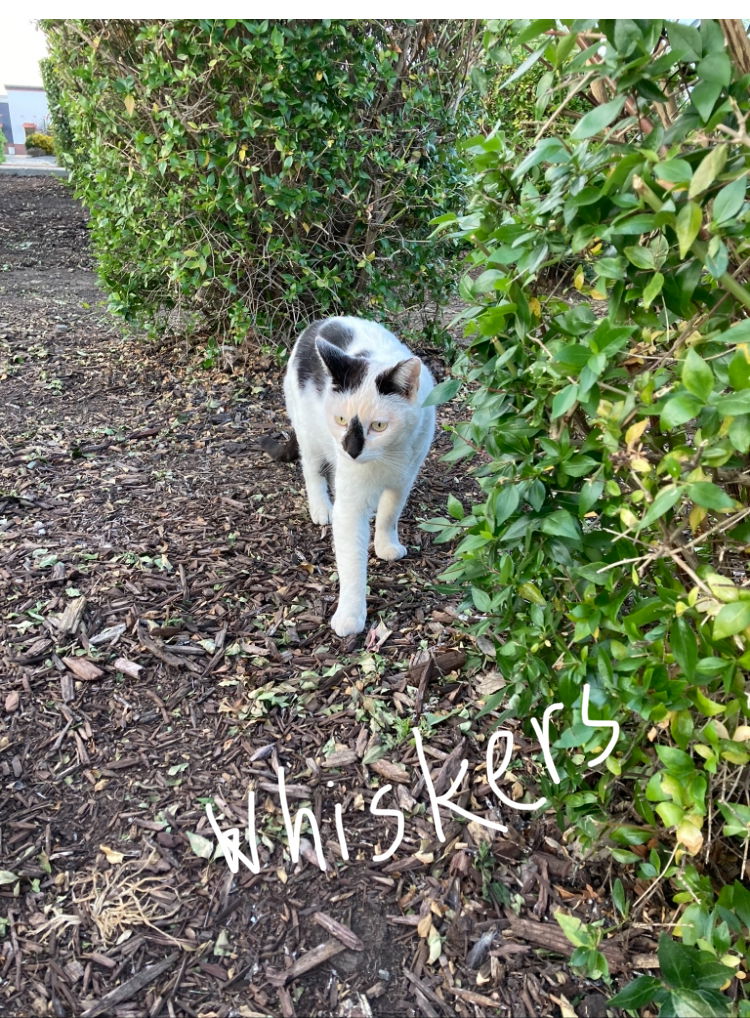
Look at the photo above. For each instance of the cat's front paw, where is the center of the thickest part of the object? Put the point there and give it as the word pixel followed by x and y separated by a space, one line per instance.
pixel 389 550
pixel 320 513
pixel 346 622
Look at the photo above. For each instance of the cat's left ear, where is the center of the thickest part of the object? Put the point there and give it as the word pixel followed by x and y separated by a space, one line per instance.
pixel 401 380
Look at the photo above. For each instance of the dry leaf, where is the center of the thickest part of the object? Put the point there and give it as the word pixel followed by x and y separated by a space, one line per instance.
pixel 112 857
pixel 12 700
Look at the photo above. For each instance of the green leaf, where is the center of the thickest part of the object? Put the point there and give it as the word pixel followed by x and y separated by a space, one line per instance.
pixel 729 201
pixel 590 494
pixel 652 290
pixel 710 496
pixel 732 618
pixel 685 40
pixel 574 930
pixel 678 410
pixel 717 257
pixel 443 392
pixel 734 403
pixel 739 433
pixel 597 119
pixel 455 509
pixel 527 64
pixel 708 170
pixel 561 524
pixel 677 962
pixel 674 171
pixel 506 503
pixel 738 333
pixel 739 371
pixel 697 376
pixel 684 646
pixel 637 994
pixel 639 256
pixel 662 503
pixel 688 225
pixel 695 1004
pixel 564 400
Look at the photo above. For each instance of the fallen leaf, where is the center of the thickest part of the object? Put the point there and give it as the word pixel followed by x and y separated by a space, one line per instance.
pixel 12 700
pixel 113 857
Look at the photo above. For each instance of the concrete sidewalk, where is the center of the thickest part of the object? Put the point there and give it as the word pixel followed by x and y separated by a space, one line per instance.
pixel 31 166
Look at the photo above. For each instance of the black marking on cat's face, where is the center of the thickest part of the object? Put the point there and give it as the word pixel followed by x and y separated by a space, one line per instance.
pixel 347 373
pixel 354 439
pixel 309 364
pixel 400 380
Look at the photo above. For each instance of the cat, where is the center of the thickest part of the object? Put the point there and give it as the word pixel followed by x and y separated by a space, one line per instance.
pixel 354 394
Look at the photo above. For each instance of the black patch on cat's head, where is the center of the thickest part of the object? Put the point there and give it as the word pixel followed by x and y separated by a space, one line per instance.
pixel 400 380
pixel 309 364
pixel 347 373
pixel 354 439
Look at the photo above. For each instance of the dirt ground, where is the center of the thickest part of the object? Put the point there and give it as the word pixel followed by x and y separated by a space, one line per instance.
pixel 164 646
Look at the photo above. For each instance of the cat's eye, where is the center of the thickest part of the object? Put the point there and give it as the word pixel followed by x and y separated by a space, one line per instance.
pixel 379 425
pixel 341 421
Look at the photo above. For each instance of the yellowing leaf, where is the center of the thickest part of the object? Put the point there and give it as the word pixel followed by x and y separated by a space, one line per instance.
pixel 696 517
pixel 634 432
pixel 129 104
pixel 689 836
pixel 535 307
pixel 578 279
pixel 242 154
pixel 112 857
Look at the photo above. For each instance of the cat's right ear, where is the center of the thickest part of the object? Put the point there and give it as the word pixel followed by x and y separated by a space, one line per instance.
pixel 346 372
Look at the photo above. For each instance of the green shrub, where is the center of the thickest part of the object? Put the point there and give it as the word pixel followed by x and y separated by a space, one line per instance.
pixel 43 141
pixel 259 172
pixel 63 136
pixel 610 432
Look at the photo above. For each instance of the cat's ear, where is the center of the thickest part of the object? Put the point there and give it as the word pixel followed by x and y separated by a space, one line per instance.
pixel 346 372
pixel 401 380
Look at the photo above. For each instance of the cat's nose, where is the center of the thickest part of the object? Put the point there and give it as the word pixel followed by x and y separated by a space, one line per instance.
pixel 354 439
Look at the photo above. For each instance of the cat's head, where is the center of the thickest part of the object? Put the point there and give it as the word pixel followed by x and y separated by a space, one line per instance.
pixel 370 406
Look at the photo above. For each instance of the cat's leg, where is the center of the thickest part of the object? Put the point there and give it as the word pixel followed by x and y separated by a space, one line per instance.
pixel 390 506
pixel 351 536
pixel 315 470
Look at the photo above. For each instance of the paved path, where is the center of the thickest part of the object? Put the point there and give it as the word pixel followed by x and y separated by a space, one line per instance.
pixel 31 166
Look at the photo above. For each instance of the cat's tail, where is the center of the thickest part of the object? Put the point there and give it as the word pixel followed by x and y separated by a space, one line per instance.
pixel 282 452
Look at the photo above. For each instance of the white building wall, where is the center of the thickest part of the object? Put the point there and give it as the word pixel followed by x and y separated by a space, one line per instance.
pixel 27 105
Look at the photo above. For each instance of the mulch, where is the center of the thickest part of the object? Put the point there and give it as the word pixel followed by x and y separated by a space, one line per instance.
pixel 164 645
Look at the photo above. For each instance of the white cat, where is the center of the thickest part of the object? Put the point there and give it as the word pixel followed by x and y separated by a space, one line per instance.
pixel 354 394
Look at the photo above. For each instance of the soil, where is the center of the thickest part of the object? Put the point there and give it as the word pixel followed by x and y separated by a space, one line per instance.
pixel 164 646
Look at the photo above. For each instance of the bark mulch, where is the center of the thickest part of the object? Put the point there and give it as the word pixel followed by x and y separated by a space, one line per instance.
pixel 164 647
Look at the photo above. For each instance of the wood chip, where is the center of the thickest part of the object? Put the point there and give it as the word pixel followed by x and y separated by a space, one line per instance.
pixel 338 930
pixel 70 619
pixel 128 989
pixel 310 960
pixel 122 664
pixel 82 668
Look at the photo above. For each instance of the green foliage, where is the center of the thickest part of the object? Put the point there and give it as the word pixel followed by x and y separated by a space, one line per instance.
pixel 609 430
pixel 43 141
pixel 259 173
pixel 63 136
pixel 520 82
